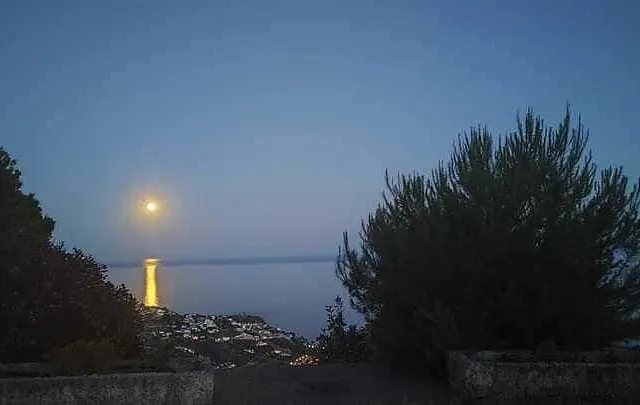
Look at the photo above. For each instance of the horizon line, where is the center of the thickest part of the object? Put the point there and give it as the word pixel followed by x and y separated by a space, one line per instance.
pixel 251 260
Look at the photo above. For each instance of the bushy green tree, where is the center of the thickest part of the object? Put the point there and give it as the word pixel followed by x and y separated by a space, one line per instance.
pixel 339 342
pixel 50 297
pixel 512 242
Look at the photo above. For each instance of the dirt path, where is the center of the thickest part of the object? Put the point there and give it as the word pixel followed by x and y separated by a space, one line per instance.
pixel 325 384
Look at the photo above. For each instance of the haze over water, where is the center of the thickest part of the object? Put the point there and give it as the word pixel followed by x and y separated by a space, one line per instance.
pixel 292 296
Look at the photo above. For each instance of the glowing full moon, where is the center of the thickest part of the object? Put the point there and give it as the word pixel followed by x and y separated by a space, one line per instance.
pixel 151 206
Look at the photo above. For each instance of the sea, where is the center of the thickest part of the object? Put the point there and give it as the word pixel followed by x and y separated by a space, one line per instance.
pixel 289 293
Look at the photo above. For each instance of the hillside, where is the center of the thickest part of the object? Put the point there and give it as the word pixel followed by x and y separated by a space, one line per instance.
pixel 227 340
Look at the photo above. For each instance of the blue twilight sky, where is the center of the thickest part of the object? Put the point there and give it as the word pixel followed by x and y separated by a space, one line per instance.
pixel 267 125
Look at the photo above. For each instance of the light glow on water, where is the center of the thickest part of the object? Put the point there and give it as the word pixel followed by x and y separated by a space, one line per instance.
pixel 150 285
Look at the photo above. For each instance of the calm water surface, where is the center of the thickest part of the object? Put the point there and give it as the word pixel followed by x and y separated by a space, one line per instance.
pixel 292 296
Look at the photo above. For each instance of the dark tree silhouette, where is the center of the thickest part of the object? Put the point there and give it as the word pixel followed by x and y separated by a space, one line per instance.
pixel 338 341
pixel 510 243
pixel 50 297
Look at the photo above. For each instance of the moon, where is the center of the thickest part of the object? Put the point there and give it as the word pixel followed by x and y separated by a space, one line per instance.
pixel 151 206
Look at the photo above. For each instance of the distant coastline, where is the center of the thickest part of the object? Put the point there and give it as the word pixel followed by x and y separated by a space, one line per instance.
pixel 232 261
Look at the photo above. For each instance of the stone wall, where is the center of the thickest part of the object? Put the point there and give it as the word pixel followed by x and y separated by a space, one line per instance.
pixel 134 388
pixel 478 377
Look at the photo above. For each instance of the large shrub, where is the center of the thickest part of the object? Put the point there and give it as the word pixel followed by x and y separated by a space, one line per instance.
pixel 339 342
pixel 49 296
pixel 512 242
pixel 84 357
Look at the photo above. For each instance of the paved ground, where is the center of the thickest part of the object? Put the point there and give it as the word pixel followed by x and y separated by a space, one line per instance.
pixel 325 384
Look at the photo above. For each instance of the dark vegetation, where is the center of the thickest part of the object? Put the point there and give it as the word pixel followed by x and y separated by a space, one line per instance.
pixel 516 242
pixel 54 300
pixel 96 356
pixel 339 342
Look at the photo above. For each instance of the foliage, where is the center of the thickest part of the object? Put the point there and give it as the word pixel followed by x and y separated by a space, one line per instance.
pixel 339 342
pixel 157 355
pixel 49 296
pixel 507 245
pixel 84 357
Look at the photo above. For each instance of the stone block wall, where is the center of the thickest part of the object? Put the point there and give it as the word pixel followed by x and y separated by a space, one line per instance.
pixel 478 377
pixel 189 388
